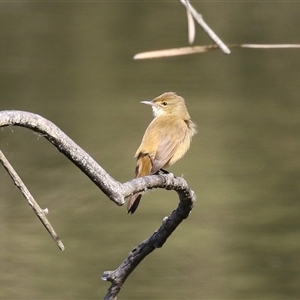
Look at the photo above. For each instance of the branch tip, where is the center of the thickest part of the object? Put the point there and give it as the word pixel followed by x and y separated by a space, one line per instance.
pixel 40 213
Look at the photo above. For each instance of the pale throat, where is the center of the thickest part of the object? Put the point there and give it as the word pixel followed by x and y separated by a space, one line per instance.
pixel 157 111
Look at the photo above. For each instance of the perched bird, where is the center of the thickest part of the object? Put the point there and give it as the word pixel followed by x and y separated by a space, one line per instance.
pixel 165 141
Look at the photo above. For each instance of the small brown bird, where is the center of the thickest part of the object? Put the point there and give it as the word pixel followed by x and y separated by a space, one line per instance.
pixel 165 141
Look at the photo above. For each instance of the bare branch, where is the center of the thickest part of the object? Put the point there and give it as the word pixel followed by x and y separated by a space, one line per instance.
pixel 157 240
pixel 41 213
pixel 108 185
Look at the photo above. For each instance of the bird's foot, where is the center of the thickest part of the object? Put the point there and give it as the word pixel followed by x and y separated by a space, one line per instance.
pixel 162 172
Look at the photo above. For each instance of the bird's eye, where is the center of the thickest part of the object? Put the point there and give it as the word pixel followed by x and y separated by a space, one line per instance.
pixel 165 103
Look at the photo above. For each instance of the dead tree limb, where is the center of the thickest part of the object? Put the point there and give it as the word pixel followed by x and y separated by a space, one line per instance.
pixel 157 239
pixel 116 191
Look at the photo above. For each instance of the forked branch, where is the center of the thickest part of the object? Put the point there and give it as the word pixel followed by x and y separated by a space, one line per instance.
pixel 192 14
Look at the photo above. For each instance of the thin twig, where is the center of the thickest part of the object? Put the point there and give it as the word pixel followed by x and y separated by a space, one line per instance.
pixel 41 214
pixel 206 48
pixel 174 52
pixel 191 23
pixel 199 19
pixel 268 46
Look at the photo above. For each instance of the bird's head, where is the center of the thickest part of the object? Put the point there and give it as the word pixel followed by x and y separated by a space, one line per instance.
pixel 168 104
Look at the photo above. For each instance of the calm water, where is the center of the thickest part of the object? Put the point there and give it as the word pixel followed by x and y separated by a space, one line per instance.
pixel 72 63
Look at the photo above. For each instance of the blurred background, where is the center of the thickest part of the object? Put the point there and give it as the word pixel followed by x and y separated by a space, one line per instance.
pixel 71 62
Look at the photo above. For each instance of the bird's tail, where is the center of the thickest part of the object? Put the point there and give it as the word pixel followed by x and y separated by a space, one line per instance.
pixel 143 168
pixel 133 203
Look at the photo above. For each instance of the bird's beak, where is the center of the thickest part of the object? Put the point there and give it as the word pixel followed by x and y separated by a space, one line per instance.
pixel 148 102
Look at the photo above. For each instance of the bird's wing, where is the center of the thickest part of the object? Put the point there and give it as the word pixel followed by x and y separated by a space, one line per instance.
pixel 164 153
pixel 167 146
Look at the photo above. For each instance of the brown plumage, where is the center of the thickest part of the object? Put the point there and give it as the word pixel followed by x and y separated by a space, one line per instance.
pixel 166 139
